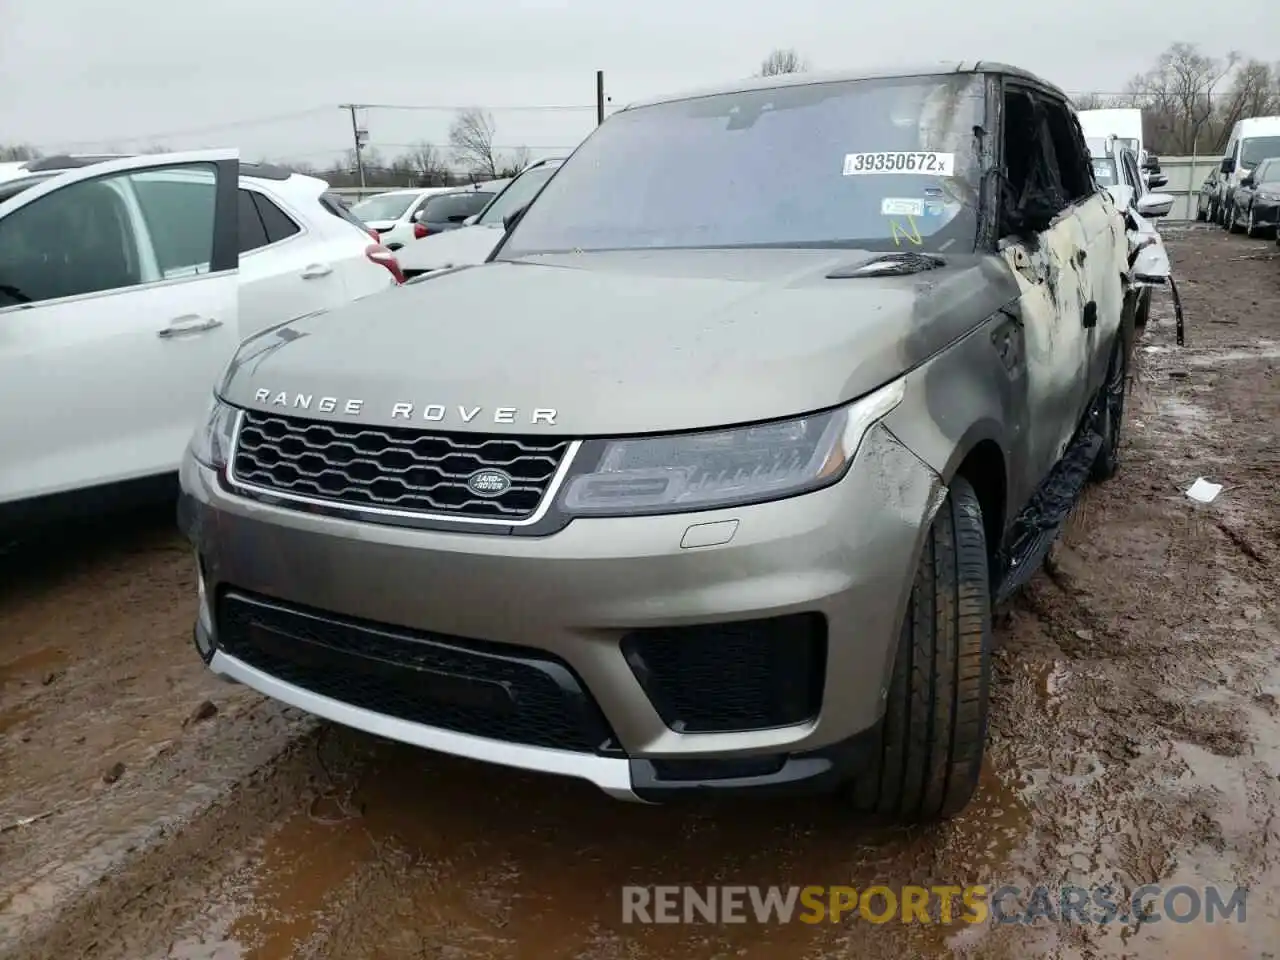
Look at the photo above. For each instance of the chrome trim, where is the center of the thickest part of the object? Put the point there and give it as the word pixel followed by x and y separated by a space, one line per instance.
pixel 548 498
pixel 612 775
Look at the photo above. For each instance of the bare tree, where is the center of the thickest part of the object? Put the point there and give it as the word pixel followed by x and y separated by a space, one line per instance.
pixel 471 136
pixel 514 163
pixel 1091 101
pixel 429 166
pixel 1177 97
pixel 780 61
pixel 1255 92
pixel 18 151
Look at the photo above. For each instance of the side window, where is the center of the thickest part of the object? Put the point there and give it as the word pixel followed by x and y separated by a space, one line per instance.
pixel 252 233
pixel 177 205
pixel 1074 173
pixel 91 236
pixel 279 225
pixel 1133 175
pixel 1030 174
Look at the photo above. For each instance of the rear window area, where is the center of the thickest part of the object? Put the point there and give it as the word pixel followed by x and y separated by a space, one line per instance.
pixel 455 207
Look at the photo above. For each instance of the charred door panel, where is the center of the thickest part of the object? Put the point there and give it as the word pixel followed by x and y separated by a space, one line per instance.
pixel 1103 272
pixel 1055 340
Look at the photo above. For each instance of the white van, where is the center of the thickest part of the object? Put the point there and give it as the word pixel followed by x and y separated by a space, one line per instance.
pixel 1124 126
pixel 1252 140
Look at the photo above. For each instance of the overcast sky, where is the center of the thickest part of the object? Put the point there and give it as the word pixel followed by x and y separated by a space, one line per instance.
pixel 88 75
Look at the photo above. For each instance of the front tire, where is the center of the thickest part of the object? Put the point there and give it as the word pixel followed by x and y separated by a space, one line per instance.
pixel 1233 222
pixel 1250 225
pixel 935 725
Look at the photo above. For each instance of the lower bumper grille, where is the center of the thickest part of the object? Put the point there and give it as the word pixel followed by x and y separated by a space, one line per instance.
pixel 732 677
pixel 484 689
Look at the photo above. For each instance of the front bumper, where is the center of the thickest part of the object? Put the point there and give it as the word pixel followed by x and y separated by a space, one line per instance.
pixel 1266 213
pixel 845 554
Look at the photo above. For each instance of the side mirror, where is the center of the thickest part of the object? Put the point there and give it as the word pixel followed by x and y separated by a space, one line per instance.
pixel 471 220
pixel 1151 164
pixel 1157 180
pixel 419 215
pixel 1155 205
pixel 1228 164
pixel 512 218
pixel 1246 180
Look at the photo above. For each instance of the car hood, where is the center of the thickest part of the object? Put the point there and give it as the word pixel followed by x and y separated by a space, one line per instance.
pixel 617 343
pixel 456 248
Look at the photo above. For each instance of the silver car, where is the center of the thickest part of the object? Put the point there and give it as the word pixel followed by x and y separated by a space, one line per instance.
pixel 709 477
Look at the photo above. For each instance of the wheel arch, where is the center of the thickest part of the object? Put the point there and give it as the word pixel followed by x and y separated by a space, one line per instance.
pixel 984 465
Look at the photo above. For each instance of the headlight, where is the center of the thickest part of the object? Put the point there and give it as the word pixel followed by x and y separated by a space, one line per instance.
pixel 703 471
pixel 211 443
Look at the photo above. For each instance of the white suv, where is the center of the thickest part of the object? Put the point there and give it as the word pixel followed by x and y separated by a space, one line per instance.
pixel 126 286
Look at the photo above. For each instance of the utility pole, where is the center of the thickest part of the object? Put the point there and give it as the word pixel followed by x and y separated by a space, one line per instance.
pixel 359 136
pixel 599 97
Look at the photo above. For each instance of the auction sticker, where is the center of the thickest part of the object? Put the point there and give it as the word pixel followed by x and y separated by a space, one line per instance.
pixel 929 164
pixel 901 207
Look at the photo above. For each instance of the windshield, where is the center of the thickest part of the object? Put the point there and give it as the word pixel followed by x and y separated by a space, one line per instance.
pixel 1268 172
pixel 519 192
pixel 454 207
pixel 1256 149
pixel 880 164
pixel 1104 171
pixel 385 206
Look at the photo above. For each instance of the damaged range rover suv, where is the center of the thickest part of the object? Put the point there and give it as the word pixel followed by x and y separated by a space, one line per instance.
pixel 757 409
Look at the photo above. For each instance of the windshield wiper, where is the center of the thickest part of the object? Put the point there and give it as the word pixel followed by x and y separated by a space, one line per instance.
pixel 11 291
pixel 889 265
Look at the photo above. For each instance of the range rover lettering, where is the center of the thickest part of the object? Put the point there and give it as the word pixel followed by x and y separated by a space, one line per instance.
pixel 766 399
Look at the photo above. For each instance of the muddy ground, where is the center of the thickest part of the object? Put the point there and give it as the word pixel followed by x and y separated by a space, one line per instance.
pixel 148 810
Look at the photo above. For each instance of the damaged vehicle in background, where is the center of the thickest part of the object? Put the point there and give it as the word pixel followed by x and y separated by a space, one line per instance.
pixel 756 411
pixel 480 234
pixel 1115 167
pixel 1124 125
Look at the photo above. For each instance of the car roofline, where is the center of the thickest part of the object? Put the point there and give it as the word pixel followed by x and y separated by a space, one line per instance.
pixel 939 69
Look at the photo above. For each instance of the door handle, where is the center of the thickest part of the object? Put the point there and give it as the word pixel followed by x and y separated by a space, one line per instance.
pixel 1090 315
pixel 188 324
pixel 317 270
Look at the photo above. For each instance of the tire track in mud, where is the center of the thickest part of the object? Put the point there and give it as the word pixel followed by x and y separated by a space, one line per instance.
pixel 1135 739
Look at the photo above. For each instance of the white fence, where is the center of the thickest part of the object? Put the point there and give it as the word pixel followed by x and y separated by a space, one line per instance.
pixel 1185 176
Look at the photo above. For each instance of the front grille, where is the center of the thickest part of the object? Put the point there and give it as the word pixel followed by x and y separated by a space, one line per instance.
pixel 732 677
pixel 485 689
pixel 397 468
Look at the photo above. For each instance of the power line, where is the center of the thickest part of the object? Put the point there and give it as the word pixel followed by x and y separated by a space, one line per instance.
pixel 70 145
pixel 193 131
pixel 329 151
